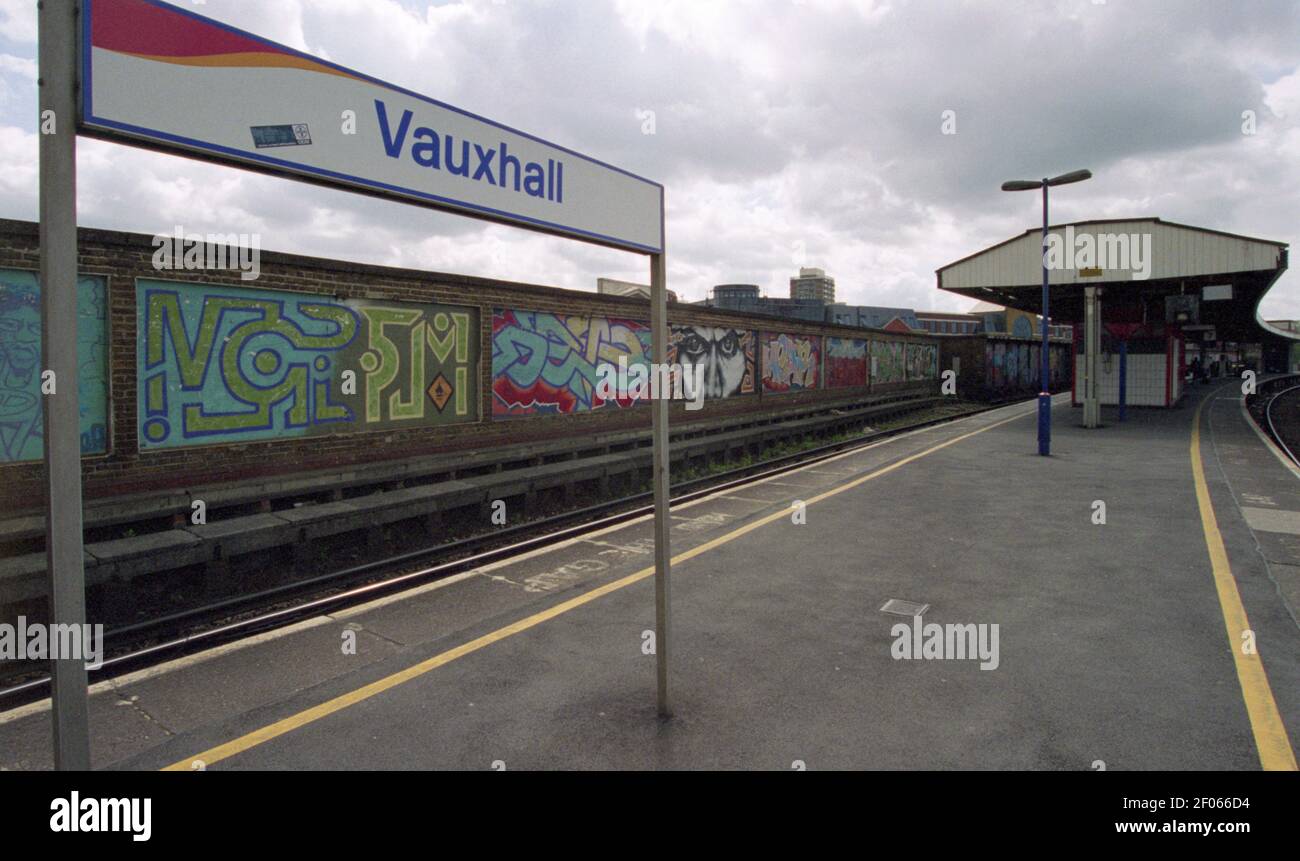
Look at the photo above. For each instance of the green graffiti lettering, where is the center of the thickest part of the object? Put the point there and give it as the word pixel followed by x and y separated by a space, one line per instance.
pixel 381 374
pixel 165 321
pixel 458 336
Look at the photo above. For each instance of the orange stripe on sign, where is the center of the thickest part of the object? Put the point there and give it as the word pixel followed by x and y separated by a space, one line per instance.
pixel 246 60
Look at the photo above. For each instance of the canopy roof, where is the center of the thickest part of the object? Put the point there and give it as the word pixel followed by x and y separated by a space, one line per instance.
pixel 1159 258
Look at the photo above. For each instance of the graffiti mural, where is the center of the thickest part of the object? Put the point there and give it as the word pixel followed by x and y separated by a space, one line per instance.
pixel 846 362
pixel 888 361
pixel 727 356
pixel 223 364
pixel 1059 357
pixel 922 361
pixel 1011 365
pixel 995 375
pixel 21 419
pixel 790 362
pixel 546 363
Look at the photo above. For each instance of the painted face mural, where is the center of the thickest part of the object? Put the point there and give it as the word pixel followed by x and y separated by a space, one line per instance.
pixel 727 356
pixel 21 422
pixel 228 364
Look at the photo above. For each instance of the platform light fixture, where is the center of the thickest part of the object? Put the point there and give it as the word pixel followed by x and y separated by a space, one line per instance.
pixel 1045 394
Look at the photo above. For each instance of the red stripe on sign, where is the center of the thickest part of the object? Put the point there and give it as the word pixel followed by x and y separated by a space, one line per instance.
pixel 137 27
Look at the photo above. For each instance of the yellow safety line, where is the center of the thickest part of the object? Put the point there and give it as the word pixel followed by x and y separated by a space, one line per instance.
pixel 315 713
pixel 1271 739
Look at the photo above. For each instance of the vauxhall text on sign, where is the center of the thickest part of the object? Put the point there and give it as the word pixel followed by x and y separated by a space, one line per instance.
pixel 163 76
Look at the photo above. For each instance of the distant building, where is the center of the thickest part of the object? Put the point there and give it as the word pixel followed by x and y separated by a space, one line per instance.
pixel 612 287
pixel 813 284
pixel 1288 351
pixel 737 297
pixel 1021 324
pixel 873 317
pixel 947 323
pixel 798 309
pixel 746 297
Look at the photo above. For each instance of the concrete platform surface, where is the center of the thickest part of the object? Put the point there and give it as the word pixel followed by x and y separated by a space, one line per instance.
pixel 1115 641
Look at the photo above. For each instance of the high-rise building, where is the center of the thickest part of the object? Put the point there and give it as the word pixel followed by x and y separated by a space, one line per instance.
pixel 812 284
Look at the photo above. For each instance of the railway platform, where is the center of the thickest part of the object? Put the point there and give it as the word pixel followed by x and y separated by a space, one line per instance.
pixel 1132 601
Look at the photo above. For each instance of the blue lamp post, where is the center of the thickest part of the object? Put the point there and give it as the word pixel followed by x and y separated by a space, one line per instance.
pixel 1044 393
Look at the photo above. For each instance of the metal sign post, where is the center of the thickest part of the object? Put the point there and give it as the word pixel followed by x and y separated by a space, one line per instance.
pixel 145 74
pixel 660 468
pixel 57 65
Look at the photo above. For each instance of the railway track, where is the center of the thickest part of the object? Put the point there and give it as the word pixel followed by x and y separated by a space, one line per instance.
pixel 142 644
pixel 1276 409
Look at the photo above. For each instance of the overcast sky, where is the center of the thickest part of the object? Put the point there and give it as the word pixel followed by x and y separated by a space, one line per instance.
pixel 779 127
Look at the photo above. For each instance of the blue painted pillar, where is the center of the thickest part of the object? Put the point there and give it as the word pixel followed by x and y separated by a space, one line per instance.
pixel 1044 383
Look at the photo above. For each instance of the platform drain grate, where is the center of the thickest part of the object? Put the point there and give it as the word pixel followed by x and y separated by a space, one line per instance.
pixel 899 607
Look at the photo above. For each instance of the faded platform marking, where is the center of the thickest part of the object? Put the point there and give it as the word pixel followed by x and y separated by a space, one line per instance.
pixel 1272 520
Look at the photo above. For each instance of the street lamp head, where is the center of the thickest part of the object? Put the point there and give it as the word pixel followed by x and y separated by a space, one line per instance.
pixel 1022 185
pixel 1072 176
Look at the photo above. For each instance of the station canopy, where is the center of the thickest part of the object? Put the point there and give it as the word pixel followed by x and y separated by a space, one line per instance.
pixel 1223 276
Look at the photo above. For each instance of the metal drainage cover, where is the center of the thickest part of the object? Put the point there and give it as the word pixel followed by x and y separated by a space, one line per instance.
pixel 899 607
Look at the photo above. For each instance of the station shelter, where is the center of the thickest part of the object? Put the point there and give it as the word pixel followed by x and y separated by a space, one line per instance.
pixel 1146 298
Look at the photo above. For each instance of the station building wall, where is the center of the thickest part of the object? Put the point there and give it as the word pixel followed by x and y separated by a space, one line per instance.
pixel 1155 367
pixel 191 377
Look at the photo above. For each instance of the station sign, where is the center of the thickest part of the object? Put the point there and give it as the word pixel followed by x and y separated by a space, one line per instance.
pixel 159 76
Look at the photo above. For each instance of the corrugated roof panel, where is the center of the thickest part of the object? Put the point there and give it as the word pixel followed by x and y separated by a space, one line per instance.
pixel 1129 250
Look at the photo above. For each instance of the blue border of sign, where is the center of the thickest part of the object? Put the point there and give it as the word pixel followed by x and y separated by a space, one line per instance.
pixel 92 122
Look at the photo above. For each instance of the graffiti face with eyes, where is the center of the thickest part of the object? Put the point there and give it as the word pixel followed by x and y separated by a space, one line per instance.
pixel 722 353
pixel 20 338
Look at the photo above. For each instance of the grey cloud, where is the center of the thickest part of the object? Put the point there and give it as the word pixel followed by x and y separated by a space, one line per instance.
pixel 779 122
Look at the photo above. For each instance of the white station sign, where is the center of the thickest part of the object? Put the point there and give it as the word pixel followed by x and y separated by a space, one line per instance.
pixel 162 76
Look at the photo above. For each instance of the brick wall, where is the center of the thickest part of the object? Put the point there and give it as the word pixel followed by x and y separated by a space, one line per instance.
pixel 123 257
